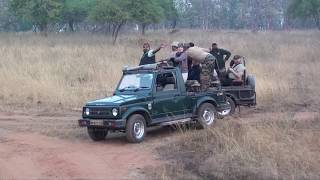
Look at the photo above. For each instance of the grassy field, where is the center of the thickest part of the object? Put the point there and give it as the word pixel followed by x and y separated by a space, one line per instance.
pixel 67 70
pixel 274 141
pixel 268 146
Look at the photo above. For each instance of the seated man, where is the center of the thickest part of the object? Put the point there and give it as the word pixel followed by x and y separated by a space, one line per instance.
pixel 235 72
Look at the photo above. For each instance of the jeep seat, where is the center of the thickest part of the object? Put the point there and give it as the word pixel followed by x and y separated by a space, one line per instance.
pixel 240 82
pixel 170 84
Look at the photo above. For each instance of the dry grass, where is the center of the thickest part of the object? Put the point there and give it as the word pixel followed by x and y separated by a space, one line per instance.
pixel 67 70
pixel 276 147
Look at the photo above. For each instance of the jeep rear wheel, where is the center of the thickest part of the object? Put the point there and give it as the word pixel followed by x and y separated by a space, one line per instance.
pixel 206 115
pixel 136 128
pixel 232 104
pixel 97 134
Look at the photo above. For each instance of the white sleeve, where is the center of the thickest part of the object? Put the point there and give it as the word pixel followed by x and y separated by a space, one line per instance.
pixel 150 53
pixel 240 69
pixel 243 68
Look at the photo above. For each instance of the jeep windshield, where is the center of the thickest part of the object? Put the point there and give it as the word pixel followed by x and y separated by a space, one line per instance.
pixel 136 82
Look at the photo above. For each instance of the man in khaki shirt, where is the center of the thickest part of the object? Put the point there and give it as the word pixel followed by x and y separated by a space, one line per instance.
pixel 207 62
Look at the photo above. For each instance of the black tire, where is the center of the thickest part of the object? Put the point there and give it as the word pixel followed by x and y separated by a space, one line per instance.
pixel 206 115
pixel 136 128
pixel 232 104
pixel 251 81
pixel 97 134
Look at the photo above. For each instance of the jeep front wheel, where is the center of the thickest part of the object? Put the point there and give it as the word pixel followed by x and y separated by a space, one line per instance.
pixel 97 134
pixel 206 115
pixel 136 128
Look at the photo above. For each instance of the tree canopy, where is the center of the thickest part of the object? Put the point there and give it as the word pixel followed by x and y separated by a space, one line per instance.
pixel 146 12
pixel 305 9
pixel 76 11
pixel 39 12
pixel 111 15
pixel 111 11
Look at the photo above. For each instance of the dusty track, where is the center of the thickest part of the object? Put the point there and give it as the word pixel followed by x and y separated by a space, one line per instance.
pixel 52 146
pixel 27 151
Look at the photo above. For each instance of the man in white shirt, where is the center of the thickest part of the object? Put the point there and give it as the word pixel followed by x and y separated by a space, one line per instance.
pixel 235 72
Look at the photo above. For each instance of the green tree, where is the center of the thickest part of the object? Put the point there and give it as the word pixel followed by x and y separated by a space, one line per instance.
pixel 146 12
pixel 305 9
pixel 39 12
pixel 111 11
pixel 170 11
pixel 76 11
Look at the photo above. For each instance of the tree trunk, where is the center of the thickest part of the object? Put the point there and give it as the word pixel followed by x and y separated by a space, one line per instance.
pixel 114 29
pixel 116 32
pixel 174 23
pixel 143 29
pixel 317 20
pixel 43 30
pixel 71 25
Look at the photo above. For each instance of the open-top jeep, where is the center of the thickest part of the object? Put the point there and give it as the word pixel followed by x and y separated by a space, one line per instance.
pixel 241 92
pixel 147 96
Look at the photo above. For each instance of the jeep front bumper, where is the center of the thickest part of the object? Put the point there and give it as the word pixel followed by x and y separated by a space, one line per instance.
pixel 106 123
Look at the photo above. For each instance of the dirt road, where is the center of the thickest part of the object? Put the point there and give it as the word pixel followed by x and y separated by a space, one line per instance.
pixel 47 146
pixel 52 146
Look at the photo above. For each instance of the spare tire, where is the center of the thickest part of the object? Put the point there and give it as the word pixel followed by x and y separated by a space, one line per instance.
pixel 251 81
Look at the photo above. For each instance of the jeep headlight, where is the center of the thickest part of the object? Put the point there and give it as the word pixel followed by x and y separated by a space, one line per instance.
pixel 115 112
pixel 87 111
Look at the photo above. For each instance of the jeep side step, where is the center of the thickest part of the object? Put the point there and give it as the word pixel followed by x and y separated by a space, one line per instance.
pixel 179 121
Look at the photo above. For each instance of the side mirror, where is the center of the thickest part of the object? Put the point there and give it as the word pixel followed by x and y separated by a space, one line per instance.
pixel 124 68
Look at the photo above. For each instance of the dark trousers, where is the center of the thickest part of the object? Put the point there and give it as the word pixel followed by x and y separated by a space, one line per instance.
pixel 194 73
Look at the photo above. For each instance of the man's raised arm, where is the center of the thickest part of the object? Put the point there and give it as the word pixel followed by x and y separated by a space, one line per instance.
pixel 158 49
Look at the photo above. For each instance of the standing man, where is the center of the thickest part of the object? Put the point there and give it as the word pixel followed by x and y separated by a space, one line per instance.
pixel 222 56
pixel 174 49
pixel 148 56
pixel 202 57
pixel 173 53
pixel 181 59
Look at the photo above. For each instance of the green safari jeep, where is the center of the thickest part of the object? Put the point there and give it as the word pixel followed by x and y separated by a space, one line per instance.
pixel 151 95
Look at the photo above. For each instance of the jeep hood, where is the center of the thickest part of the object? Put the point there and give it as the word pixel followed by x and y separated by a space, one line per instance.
pixel 117 100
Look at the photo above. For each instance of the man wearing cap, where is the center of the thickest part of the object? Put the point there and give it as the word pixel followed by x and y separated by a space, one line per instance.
pixel 181 59
pixel 148 56
pixel 173 53
pixel 221 55
pixel 174 49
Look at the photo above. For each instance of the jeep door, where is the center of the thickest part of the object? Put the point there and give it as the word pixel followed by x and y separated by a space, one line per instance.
pixel 168 103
